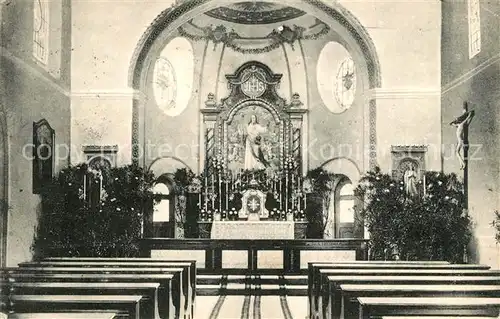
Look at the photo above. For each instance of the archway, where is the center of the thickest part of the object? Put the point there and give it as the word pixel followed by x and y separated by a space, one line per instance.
pixel 333 14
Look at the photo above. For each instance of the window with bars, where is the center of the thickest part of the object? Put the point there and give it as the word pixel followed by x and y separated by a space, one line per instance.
pixel 474 10
pixel 41 30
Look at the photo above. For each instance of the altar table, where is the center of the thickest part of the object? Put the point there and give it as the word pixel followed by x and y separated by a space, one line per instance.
pixel 253 230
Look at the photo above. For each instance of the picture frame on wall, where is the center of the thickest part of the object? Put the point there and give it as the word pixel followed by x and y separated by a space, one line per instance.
pixel 43 154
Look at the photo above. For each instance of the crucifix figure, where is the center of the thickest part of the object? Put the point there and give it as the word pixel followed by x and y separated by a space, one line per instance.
pixel 462 124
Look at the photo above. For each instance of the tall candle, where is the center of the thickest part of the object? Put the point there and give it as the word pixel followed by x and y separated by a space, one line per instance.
pixel 227 194
pixel 100 185
pixel 220 193
pixel 286 192
pixel 85 186
pixel 425 186
pixel 205 194
pixel 281 191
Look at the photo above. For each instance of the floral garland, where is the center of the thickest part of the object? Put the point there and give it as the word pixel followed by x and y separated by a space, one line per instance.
pixel 277 38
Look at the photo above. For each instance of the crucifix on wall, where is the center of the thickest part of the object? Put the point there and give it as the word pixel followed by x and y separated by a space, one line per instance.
pixel 462 148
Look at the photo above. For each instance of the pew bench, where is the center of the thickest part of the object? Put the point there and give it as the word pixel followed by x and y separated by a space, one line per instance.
pixel 315 280
pixel 149 291
pixel 124 306
pixel 65 315
pixel 377 307
pixel 171 299
pixel 351 293
pixel 330 300
pixel 189 265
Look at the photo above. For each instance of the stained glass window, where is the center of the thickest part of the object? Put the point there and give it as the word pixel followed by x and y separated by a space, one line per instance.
pixel 474 10
pixel 41 30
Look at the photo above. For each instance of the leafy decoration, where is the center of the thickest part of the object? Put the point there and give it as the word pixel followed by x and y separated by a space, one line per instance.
pixel 496 224
pixel 71 226
pixel 435 227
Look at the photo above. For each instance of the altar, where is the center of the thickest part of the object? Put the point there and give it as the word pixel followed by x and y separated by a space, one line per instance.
pixel 253 230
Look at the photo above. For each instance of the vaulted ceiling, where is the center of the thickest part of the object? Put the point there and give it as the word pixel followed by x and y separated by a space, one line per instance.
pixel 255 12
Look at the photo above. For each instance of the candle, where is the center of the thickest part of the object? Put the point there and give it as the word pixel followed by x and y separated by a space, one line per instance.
pixel 100 184
pixel 85 186
pixel 205 194
pixel 286 192
pixel 220 193
pixel 212 192
pixel 227 194
pixel 425 190
pixel 280 191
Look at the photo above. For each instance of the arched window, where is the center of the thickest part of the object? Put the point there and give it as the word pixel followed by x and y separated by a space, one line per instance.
pixel 161 206
pixel 41 31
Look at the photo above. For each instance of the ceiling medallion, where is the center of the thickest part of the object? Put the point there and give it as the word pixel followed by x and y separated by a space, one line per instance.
pixel 255 12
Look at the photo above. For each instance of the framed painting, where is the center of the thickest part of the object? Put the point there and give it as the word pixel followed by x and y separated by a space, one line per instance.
pixel 43 154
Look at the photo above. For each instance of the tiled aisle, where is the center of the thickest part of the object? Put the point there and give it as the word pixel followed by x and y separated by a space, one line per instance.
pixel 251 307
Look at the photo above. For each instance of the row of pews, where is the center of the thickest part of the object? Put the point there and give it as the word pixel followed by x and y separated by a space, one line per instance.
pixel 401 290
pixel 99 288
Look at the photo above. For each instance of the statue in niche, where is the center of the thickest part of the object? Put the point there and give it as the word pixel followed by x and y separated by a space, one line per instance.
pixel 410 181
pixel 254 154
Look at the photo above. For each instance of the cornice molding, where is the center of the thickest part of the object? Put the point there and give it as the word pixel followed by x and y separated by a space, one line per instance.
pixel 470 74
pixel 27 67
pixel 126 94
pixel 403 93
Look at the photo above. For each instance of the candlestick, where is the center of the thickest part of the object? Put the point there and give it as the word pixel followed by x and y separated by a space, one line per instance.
pixel 227 194
pixel 425 187
pixel 205 194
pixel 220 192
pixel 100 185
pixel 286 192
pixel 281 190
pixel 212 192
pixel 85 186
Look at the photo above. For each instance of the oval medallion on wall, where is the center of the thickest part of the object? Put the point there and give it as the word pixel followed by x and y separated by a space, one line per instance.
pixel 173 77
pixel 345 84
pixel 336 87
pixel 165 85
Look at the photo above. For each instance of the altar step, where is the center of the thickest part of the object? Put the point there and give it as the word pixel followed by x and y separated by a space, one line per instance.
pixel 289 285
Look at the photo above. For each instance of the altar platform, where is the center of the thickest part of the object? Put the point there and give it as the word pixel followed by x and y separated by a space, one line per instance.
pixel 253 230
pixel 250 256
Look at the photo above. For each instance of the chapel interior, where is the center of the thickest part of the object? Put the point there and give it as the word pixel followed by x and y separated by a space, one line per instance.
pixel 254 102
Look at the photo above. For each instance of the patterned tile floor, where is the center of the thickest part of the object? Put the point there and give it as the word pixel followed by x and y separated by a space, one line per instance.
pixel 251 307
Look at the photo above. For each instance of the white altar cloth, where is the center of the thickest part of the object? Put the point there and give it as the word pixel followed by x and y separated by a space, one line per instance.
pixel 252 230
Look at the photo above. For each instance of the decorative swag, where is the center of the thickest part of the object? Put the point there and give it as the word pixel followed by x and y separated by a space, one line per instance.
pixel 253 45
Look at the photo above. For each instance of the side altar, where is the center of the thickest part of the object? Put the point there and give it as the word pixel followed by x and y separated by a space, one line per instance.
pixel 252 185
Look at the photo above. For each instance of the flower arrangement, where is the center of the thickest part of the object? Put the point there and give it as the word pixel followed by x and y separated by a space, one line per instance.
pixel 74 224
pixel 432 227
pixel 496 224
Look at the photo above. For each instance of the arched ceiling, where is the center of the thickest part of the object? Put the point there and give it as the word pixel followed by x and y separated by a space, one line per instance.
pixel 255 12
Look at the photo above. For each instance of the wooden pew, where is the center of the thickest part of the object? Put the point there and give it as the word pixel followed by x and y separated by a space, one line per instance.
pixel 126 305
pixel 399 272
pixel 169 301
pixel 373 307
pixel 65 315
pixel 149 291
pixel 189 265
pixel 331 300
pixel 315 281
pixel 183 288
pixel 350 293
